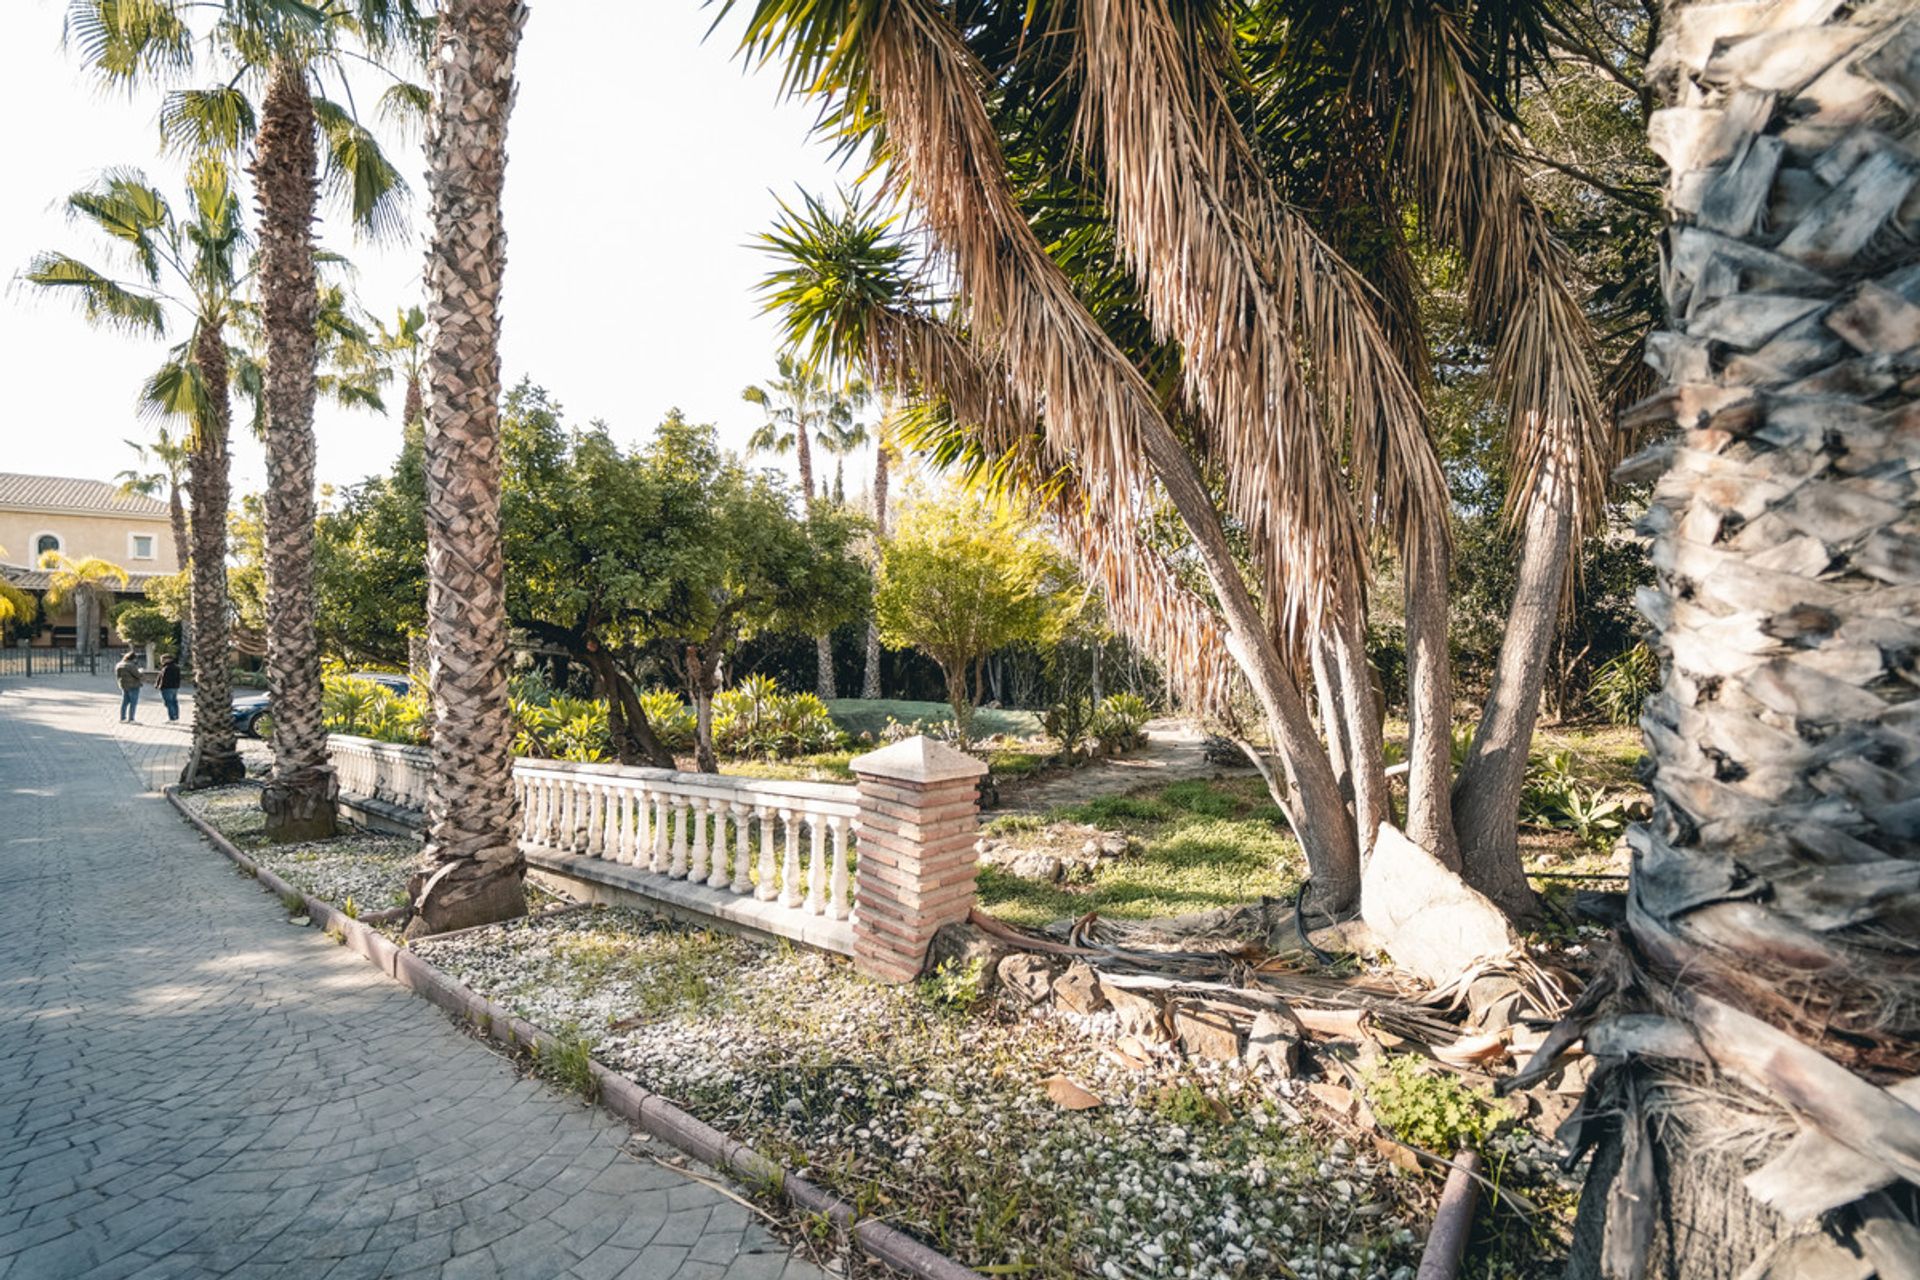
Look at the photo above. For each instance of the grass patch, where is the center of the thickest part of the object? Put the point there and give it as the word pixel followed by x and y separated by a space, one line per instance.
pixel 870 715
pixel 1201 845
pixel 568 1062
pixel 825 766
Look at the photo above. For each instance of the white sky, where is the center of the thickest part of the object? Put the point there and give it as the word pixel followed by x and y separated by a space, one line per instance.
pixel 643 159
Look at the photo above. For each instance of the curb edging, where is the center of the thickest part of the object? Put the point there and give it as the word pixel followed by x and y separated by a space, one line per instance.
pixel 623 1097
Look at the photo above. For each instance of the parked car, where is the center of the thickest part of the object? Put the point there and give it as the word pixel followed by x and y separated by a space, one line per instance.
pixel 253 712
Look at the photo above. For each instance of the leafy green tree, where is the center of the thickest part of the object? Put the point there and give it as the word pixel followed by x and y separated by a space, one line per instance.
pixel 142 624
pixel 960 578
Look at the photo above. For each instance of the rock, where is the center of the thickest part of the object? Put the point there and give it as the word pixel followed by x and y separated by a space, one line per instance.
pixel 1073 1097
pixel 1206 1033
pixel 1032 864
pixel 1078 989
pixel 985 845
pixel 1139 1015
pixel 1275 1040
pixel 1335 1097
pixel 1493 1002
pixel 1029 978
pixel 1433 923
pixel 1575 1076
pixel 960 944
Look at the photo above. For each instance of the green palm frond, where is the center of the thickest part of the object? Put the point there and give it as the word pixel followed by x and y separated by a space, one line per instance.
pixel 359 174
pixel 838 266
pixel 123 41
pixel 404 106
pixel 69 577
pixel 219 120
pixel 16 607
pixel 125 207
pixel 175 389
pixel 104 301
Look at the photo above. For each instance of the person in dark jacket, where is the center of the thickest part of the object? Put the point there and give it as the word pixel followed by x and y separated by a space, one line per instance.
pixel 129 676
pixel 170 685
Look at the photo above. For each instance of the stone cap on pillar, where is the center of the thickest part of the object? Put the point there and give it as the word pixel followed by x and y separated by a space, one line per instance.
pixel 920 760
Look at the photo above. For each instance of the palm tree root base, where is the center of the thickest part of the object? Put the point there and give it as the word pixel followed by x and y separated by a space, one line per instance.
pixel 301 808
pixel 213 770
pixel 463 894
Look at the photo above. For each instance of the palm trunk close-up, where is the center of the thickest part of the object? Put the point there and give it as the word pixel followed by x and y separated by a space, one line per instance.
pixel 299 797
pixel 214 758
pixel 1769 973
pixel 476 871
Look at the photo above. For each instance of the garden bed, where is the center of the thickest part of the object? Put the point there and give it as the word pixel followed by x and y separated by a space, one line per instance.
pixel 930 1106
pixel 365 869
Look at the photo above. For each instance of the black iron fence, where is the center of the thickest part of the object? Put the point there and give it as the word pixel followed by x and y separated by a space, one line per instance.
pixel 47 662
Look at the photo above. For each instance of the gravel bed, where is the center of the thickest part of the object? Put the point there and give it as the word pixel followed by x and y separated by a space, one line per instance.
pixel 939 1119
pixel 367 868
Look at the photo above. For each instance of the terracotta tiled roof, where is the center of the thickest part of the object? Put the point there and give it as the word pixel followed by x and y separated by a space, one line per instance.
pixel 59 493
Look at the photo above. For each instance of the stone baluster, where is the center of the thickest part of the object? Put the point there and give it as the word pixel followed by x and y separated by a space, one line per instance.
pixel 768 886
pixel 790 877
pixel 919 817
pixel 662 833
pixel 838 905
pixel 718 849
pixel 742 859
pixel 596 833
pixel 698 808
pixel 682 821
pixel 816 866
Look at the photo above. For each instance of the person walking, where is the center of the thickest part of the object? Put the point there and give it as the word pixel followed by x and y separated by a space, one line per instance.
pixel 130 676
pixel 170 686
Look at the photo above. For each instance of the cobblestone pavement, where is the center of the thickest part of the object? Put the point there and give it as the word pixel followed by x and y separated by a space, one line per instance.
pixel 190 1086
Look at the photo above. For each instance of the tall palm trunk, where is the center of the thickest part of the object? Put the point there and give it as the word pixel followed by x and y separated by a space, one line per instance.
pixel 299 798
pixel 870 684
pixel 823 684
pixel 477 871
pixel 214 758
pixel 1769 981
pixel 182 555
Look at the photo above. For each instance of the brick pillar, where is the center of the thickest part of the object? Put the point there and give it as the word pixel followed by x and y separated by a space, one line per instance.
pixel 919 817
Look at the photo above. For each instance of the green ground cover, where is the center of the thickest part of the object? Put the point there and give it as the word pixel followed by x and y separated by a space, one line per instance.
pixel 870 715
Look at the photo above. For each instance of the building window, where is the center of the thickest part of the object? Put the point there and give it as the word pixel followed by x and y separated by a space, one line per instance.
pixel 142 546
pixel 44 543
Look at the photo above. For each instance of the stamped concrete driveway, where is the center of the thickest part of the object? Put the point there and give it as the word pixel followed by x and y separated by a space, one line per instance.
pixel 190 1086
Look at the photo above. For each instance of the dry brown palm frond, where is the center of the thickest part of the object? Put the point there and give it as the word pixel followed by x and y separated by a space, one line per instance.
pixel 1099 411
pixel 1520 280
pixel 1208 288
pixel 1147 600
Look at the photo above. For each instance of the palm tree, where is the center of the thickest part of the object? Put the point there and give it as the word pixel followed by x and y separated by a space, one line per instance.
pixel 1191 321
pixel 478 872
pixel 1768 984
pixel 171 455
pixel 17 608
pixel 292 47
pixel 882 466
pixel 403 349
pixel 89 583
pixel 840 437
pixel 179 270
pixel 804 409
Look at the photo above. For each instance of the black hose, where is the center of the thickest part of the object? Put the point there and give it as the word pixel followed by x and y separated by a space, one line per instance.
pixel 1300 923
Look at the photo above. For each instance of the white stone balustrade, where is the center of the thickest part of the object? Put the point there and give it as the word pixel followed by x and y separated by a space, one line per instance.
pixel 701 828
pixel 775 857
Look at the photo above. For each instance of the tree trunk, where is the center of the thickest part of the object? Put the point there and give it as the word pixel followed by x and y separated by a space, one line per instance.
pixel 700 688
pixel 478 871
pixel 634 741
pixel 299 797
pixel 413 409
pixel 182 555
pixel 803 456
pixel 1096 685
pixel 823 657
pixel 1486 799
pixel 214 758
pixel 1774 908
pixel 870 685
pixel 1429 695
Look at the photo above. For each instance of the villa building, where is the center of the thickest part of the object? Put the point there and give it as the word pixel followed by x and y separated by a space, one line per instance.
pixel 79 519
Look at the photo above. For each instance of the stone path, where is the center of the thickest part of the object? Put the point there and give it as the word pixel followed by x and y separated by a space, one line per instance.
pixel 189 1086
pixel 1176 750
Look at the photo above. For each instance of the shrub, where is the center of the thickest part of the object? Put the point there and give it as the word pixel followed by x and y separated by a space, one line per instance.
pixel 1068 723
pixel 1432 1111
pixel 956 987
pixel 1554 795
pixel 352 705
pixel 1623 683
pixel 1119 721
pixel 563 729
pixel 755 719
pixel 670 716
